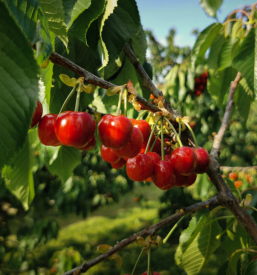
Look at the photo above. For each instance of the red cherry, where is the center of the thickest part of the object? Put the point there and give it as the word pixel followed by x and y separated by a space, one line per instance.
pixel 184 160
pixel 115 131
pixel 37 114
pixel 191 180
pixel 144 127
pixel 153 273
pixel 197 80
pixel 203 160
pixel 108 154
pixel 132 148
pixel 167 158
pixel 46 132
pixel 232 176
pixel 181 180
pixel 157 146
pixel 155 158
pixel 140 167
pixel 238 183
pixel 74 128
pixel 164 176
pixel 90 145
pixel 198 93
pixel 201 88
pixel 204 75
pixel 119 164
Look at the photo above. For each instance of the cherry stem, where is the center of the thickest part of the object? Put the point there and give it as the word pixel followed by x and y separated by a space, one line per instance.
pixel 162 139
pixel 172 229
pixel 149 261
pixel 191 131
pixel 125 102
pixel 68 98
pixel 78 97
pixel 155 141
pixel 172 127
pixel 140 115
pixel 120 99
pixel 134 269
pixel 149 140
pixel 179 129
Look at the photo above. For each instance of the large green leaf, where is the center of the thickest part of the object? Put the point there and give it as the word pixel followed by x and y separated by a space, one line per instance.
pixel 204 41
pixel 56 18
pixel 18 86
pixel 73 8
pixel 227 52
pixel 31 18
pixel 219 83
pixel 118 24
pixel 19 177
pixel 66 161
pixel 251 268
pixel 211 6
pixel 243 98
pixel 81 25
pixel 244 60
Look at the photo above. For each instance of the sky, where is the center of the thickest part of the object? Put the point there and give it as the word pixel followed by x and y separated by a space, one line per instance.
pixel 183 15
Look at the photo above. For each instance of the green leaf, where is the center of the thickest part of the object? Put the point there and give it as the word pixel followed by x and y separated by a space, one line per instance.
pixel 73 8
pixel 251 268
pixel 18 86
pixel 32 19
pixel 182 88
pixel 56 19
pixel 19 177
pixel 81 25
pixel 66 161
pixel 204 41
pixel 190 79
pixel 113 67
pixel 211 6
pixel 244 60
pixel 255 60
pixel 123 17
pixel 219 84
pixel 237 30
pixel 243 98
pixel 227 53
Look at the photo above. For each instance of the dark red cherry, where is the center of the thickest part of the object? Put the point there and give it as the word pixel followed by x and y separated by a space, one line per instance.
pixel 164 176
pixel 132 148
pixel 46 131
pixel 144 127
pixel 108 154
pixel 203 160
pixel 115 131
pixel 74 128
pixel 37 114
pixel 155 158
pixel 181 180
pixel 191 180
pixel 119 164
pixel 184 160
pixel 90 145
pixel 140 167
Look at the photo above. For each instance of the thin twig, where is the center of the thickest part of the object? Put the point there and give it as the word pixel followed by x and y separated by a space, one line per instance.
pixel 148 231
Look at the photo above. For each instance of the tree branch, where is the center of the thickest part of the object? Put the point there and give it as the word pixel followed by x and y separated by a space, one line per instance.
pixel 237 168
pixel 152 230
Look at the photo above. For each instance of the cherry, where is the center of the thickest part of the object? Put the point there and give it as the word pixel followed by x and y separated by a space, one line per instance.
pixel 249 178
pixel 191 180
pixel 155 158
pixel 203 160
pixel 181 180
pixel 198 93
pixel 109 155
pixel 90 145
pixel 119 164
pixel 184 160
pixel 140 167
pixel 204 75
pixel 153 273
pixel 157 146
pixel 37 114
pixel 164 176
pixel 144 127
pixel 115 131
pixel 232 176
pixel 132 148
pixel 46 132
pixel 197 80
pixel 201 87
pixel 238 183
pixel 74 128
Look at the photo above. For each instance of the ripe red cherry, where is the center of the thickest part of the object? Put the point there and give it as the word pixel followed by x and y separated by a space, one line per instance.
pixel 140 167
pixel 144 127
pixel 184 160
pixel 164 176
pixel 197 80
pixel 90 145
pixel 201 87
pixel 37 114
pixel 74 128
pixel 198 93
pixel 232 176
pixel 108 154
pixel 46 132
pixel 191 180
pixel 181 180
pixel 155 158
pixel 115 131
pixel 132 148
pixel 119 164
pixel 203 160
pixel 238 183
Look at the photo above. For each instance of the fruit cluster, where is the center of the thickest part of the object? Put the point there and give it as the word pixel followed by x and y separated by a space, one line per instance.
pixel 124 143
pixel 200 83
pixel 238 183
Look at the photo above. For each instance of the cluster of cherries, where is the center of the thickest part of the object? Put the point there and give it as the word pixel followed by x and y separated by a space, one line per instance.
pixel 76 129
pixel 124 142
pixel 238 183
pixel 200 83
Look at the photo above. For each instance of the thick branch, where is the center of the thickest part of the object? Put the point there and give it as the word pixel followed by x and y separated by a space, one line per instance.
pixel 152 230
pixel 237 168
pixel 230 103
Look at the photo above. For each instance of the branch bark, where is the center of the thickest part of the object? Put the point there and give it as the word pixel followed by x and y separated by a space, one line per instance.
pixel 152 230
pixel 237 168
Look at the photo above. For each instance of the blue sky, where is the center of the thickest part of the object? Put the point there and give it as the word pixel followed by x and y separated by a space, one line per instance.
pixel 183 15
